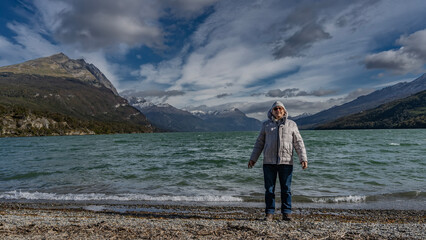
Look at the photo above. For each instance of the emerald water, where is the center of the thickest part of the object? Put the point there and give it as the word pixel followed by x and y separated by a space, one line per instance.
pixel 347 168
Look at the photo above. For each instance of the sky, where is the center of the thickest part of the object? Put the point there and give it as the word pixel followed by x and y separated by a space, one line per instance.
pixel 215 55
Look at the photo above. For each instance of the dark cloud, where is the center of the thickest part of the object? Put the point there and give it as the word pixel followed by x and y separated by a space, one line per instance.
pixel 301 40
pixel 187 8
pixel 284 93
pixel 354 17
pixel 295 92
pixel 223 95
pixel 305 25
pixel 305 22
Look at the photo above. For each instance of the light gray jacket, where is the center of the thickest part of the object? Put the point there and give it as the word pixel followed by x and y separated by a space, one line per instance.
pixel 278 140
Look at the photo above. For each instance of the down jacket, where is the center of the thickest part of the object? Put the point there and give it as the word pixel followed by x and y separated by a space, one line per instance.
pixel 278 140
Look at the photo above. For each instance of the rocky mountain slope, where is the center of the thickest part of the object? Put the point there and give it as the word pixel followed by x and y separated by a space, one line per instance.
pixel 60 96
pixel 59 65
pixel 408 112
pixel 372 100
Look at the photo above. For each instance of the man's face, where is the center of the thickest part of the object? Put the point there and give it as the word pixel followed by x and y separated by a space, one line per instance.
pixel 278 112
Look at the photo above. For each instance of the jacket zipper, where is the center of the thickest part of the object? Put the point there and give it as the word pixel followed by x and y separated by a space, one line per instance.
pixel 278 143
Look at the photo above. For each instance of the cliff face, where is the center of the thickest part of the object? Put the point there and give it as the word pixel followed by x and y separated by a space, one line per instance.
pixel 29 124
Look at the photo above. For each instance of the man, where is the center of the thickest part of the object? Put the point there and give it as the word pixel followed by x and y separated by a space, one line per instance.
pixel 277 139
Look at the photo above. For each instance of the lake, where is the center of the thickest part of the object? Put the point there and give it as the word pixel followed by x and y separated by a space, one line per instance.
pixel 379 169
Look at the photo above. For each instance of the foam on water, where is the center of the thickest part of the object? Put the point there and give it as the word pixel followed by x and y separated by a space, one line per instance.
pixel 12 195
pixel 340 199
pixel 394 144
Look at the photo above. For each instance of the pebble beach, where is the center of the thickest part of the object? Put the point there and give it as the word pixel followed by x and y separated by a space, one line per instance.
pixel 62 221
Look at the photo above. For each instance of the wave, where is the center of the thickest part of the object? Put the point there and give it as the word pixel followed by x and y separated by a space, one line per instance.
pixel 411 195
pixel 403 144
pixel 16 195
pixel 331 199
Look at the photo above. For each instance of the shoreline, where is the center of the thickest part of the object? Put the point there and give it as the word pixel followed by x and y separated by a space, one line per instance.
pixel 149 221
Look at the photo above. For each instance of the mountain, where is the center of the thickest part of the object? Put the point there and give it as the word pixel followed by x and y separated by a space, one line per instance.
pixel 229 120
pixel 59 65
pixel 303 115
pixel 59 96
pixel 372 100
pixel 167 117
pixel 408 112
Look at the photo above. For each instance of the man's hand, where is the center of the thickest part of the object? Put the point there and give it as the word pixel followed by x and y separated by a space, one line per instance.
pixel 304 165
pixel 251 163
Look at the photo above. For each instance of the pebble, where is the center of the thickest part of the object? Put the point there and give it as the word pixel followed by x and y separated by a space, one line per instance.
pixel 29 221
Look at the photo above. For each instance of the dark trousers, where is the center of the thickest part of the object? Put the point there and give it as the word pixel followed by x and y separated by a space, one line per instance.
pixel 284 172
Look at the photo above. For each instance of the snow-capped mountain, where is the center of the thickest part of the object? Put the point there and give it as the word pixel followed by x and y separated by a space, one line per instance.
pixel 169 118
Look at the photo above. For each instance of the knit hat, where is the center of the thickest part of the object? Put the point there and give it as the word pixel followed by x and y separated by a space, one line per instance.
pixel 277 104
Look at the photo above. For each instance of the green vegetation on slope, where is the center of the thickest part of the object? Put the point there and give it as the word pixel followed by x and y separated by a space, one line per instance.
pixel 79 107
pixel 409 112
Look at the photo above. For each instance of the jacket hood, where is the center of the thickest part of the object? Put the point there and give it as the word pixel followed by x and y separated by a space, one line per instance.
pixel 277 103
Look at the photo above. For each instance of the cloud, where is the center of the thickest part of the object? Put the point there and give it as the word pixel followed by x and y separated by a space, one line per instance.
pixel 301 40
pixel 295 92
pixel 152 94
pixel 357 93
pixel 223 95
pixel 307 22
pixel 26 44
pixel 415 44
pixel 95 24
pixel 187 8
pixel 165 72
pixel 410 57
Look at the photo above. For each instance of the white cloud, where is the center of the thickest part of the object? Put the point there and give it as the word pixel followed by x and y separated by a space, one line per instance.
pixel 415 44
pixel 166 72
pixel 32 41
pixel 8 52
pixel 410 57
pixel 28 44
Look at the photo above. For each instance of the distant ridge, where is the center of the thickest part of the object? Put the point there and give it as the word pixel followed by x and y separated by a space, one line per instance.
pixel 372 100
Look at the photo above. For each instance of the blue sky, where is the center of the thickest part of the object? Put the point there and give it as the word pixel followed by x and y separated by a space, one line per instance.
pixel 212 54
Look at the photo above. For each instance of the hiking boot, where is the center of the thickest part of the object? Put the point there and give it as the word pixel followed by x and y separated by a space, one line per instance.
pixel 287 217
pixel 269 217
